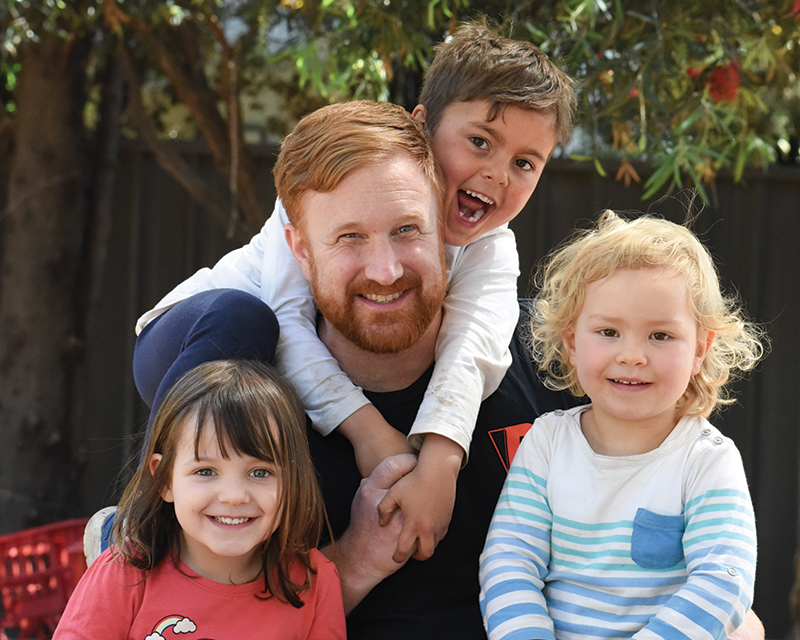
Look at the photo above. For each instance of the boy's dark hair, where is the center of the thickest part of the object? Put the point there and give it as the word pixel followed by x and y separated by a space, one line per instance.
pixel 477 63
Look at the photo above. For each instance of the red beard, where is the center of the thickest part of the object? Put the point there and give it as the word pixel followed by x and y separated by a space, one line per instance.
pixel 374 330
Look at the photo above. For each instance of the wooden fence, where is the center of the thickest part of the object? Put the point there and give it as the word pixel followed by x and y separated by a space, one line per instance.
pixel 159 237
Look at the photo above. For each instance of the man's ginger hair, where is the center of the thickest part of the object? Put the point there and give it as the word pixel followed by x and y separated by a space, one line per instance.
pixel 332 141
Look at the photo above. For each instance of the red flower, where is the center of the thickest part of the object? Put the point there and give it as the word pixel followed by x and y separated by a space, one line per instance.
pixel 796 10
pixel 724 81
pixel 693 72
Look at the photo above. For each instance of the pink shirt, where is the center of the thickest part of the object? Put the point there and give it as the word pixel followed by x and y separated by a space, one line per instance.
pixel 115 601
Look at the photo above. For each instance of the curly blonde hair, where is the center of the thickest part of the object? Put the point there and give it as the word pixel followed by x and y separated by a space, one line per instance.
pixel 640 243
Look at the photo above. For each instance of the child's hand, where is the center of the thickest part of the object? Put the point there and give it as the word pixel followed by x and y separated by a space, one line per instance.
pixel 426 497
pixel 373 438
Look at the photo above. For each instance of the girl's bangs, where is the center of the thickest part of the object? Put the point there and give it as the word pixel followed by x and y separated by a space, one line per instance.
pixel 238 428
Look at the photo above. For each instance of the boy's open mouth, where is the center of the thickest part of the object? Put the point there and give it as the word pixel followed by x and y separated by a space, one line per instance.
pixel 472 206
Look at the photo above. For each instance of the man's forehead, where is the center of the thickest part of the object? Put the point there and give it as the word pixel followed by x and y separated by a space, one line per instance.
pixel 393 190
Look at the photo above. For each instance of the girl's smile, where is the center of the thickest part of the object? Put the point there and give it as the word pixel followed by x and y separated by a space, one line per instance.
pixel 226 506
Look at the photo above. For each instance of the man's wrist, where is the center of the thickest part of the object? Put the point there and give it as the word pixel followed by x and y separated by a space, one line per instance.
pixel 355 577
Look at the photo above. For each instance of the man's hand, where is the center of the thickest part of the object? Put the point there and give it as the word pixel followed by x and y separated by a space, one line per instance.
pixel 363 555
pixel 373 438
pixel 425 497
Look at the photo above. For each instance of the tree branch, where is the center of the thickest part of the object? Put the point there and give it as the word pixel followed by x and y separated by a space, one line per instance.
pixel 178 58
pixel 197 188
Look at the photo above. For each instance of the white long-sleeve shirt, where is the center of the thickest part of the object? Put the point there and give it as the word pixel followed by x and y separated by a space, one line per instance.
pixel 472 356
pixel 660 545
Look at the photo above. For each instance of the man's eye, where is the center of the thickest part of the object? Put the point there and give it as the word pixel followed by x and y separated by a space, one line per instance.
pixel 406 228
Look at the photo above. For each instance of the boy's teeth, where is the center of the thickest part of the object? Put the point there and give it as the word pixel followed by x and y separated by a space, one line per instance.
pixel 628 382
pixel 474 216
pixel 230 521
pixel 479 196
pixel 377 297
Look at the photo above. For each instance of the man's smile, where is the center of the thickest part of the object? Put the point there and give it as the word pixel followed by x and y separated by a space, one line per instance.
pixel 379 297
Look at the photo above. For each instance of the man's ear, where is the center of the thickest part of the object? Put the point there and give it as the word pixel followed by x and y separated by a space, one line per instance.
pixel 703 347
pixel 297 245
pixel 155 461
pixel 420 114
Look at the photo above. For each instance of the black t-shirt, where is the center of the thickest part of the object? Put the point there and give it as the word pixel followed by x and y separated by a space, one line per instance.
pixel 438 598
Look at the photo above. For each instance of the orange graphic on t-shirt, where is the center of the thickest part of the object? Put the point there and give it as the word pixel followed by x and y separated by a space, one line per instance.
pixel 506 441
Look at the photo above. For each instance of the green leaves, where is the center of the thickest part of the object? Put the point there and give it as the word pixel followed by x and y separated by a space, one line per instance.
pixel 698 87
pixel 692 88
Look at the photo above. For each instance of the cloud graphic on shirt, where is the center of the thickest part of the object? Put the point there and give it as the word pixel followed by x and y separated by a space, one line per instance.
pixel 185 626
pixel 179 624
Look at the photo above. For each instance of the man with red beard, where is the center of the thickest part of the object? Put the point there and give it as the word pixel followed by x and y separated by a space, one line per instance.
pixel 367 235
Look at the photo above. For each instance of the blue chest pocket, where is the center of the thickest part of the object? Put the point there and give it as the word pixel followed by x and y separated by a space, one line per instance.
pixel 657 540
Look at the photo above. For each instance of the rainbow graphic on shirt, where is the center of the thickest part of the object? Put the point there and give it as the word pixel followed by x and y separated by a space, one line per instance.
pixel 179 624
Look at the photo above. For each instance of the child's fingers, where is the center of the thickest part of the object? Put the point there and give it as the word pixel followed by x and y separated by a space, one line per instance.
pixel 406 546
pixel 426 545
pixel 386 507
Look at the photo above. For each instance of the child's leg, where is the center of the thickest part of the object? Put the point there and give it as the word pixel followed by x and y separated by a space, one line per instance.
pixel 211 325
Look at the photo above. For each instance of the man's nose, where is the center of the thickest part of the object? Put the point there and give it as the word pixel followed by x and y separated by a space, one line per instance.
pixel 383 264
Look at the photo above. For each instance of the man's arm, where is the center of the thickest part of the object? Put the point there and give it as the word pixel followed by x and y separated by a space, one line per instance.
pixel 363 555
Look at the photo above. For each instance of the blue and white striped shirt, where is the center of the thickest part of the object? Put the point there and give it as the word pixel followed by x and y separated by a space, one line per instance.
pixel 657 545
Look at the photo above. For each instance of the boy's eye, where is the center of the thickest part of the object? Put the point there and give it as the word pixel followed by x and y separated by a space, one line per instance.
pixel 524 164
pixel 261 473
pixel 660 336
pixel 608 333
pixel 479 142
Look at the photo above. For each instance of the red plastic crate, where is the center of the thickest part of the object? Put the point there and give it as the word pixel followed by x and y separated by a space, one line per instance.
pixel 39 569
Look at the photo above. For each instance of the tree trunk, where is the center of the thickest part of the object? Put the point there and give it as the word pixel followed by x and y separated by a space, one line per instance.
pixel 43 228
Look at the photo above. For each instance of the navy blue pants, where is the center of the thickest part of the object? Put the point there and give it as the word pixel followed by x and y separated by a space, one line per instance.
pixel 212 325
